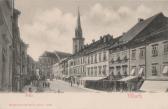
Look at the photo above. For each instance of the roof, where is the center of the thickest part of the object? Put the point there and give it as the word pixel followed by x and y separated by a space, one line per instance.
pixel 103 42
pixel 56 54
pixel 48 54
pixel 143 30
pixel 62 55
pixel 139 27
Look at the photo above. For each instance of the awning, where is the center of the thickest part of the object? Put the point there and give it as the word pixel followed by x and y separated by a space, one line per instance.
pixel 132 72
pixel 165 70
pixel 128 78
pixel 154 86
pixel 92 78
pixel 140 72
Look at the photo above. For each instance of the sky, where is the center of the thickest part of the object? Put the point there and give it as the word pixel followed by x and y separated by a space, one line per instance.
pixel 49 25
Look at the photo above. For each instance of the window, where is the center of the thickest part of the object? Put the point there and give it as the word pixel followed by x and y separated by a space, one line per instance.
pixel 88 59
pixel 75 48
pixel 83 69
pixel 125 58
pixel 124 68
pixel 91 59
pixel 112 60
pixel 118 59
pixel 104 56
pixel 133 54
pixel 118 70
pixel 142 53
pixel 154 50
pixel 95 58
pixel 154 70
pixel 91 71
pixel 104 70
pixel 166 48
pixel 81 61
pixel 95 70
pixel 1 18
pixel 112 70
pixel 100 57
pixel 100 70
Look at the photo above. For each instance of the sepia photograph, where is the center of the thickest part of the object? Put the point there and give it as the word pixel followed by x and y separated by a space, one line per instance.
pixel 86 49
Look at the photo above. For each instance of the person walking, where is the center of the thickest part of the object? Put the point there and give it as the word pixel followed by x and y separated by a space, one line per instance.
pixel 78 83
pixel 71 83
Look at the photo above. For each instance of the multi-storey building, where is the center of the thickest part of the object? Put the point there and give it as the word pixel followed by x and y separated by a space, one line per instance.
pixel 13 49
pixel 56 70
pixel 118 60
pixel 145 55
pixel 142 43
pixel 31 70
pixel 97 56
pixel 19 55
pixel 48 59
pixel 142 52
pixel 6 13
pixel 76 66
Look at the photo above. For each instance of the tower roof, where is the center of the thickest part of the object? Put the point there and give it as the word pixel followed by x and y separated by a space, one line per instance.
pixel 78 30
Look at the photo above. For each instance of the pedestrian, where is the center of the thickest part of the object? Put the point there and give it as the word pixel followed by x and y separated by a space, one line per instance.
pixel 71 83
pixel 30 89
pixel 78 83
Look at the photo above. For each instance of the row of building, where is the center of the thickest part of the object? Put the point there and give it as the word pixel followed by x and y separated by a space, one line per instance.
pixel 47 59
pixel 15 63
pixel 141 51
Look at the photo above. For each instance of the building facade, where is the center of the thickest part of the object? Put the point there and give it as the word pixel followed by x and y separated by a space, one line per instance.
pixel 97 56
pixel 48 59
pixel 6 12
pixel 19 64
pixel 119 61
pixel 13 53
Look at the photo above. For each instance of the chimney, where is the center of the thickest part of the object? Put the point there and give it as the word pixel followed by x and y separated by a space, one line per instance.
pixel 140 19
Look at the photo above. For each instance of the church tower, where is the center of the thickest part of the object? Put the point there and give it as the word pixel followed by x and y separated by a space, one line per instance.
pixel 78 41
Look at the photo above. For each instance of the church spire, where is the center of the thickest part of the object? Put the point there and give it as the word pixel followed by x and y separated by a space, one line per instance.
pixel 78 30
pixel 78 40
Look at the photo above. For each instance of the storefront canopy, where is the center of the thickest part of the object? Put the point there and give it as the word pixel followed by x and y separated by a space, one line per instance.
pixel 154 86
pixel 140 73
pixel 132 72
pixel 92 78
pixel 128 78
pixel 165 70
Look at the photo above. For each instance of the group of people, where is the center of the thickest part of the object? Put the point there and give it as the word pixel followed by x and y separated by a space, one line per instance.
pixel 72 81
